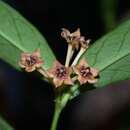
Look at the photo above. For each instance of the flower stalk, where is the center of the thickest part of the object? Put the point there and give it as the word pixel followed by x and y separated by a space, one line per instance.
pixel 84 46
pixel 69 55
pixel 42 71
pixel 60 103
pixel 56 116
pixel 81 52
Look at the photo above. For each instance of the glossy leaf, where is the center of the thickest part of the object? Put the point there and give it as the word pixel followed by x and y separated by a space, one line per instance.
pixel 18 35
pixel 4 125
pixel 111 55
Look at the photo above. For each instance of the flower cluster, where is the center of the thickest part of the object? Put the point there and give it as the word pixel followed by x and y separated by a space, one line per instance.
pixel 66 74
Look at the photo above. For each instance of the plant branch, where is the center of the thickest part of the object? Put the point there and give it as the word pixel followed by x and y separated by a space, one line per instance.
pixel 60 103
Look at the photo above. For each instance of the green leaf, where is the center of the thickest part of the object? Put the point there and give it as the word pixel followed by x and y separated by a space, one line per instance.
pixel 4 125
pixel 18 35
pixel 111 55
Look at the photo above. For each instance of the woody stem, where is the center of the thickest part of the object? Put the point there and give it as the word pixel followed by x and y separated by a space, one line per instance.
pixel 82 50
pixel 69 55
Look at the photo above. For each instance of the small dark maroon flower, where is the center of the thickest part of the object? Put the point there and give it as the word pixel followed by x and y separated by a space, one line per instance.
pixel 72 38
pixel 31 61
pixel 60 74
pixel 86 74
pixel 84 43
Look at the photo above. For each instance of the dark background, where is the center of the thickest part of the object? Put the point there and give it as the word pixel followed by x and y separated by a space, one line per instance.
pixel 28 103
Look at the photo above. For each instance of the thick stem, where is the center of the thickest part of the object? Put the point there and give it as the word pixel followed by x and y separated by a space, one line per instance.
pixel 55 117
pixel 60 103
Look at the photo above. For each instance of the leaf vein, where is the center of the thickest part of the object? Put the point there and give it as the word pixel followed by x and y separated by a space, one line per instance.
pixel 122 42
pixel 99 50
pixel 10 40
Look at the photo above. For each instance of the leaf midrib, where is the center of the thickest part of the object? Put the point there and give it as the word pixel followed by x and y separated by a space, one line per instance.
pixel 114 62
pixel 8 39
pixel 13 42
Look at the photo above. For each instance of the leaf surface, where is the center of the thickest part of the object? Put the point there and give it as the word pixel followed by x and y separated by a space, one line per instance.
pixel 4 125
pixel 111 55
pixel 18 35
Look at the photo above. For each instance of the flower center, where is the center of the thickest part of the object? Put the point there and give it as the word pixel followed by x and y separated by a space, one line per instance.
pixel 85 71
pixel 61 72
pixel 71 38
pixel 31 60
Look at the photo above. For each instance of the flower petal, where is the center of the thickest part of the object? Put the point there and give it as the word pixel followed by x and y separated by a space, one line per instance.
pixel 37 53
pixel 57 82
pixel 39 63
pixel 84 43
pixel 76 70
pixel 30 69
pixel 69 70
pixel 65 33
pixel 82 80
pixel 76 33
pixel 24 56
pixel 57 64
pixel 91 81
pixel 68 81
pixel 21 64
pixel 94 72
pixel 51 72
pixel 83 62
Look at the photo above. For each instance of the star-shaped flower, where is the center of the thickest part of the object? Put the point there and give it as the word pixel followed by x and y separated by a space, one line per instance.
pixel 31 61
pixel 86 74
pixel 84 43
pixel 60 74
pixel 72 38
